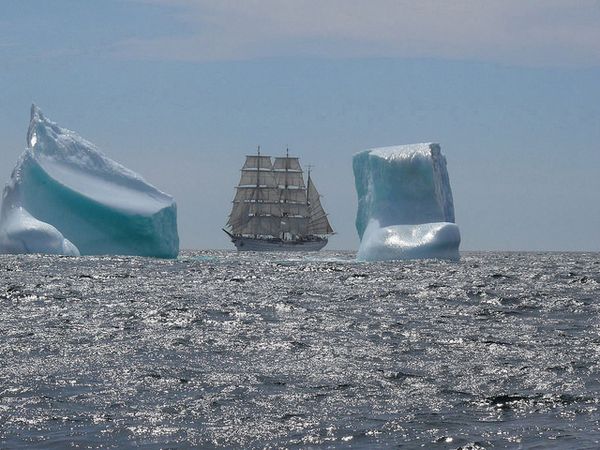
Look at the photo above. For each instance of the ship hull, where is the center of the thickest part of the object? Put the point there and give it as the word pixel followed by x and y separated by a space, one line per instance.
pixel 247 244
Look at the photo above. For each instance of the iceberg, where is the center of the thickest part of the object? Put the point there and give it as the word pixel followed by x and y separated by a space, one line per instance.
pixel 405 207
pixel 66 197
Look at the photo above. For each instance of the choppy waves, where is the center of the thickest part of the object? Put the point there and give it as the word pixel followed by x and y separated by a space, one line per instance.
pixel 218 349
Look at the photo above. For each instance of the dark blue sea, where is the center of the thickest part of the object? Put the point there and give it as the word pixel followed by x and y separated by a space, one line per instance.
pixel 224 350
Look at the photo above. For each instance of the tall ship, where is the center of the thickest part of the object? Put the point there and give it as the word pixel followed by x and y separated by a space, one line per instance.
pixel 274 210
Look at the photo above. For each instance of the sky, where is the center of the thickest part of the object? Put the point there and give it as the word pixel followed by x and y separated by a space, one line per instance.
pixel 181 90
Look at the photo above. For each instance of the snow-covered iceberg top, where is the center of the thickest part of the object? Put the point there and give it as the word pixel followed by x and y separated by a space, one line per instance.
pixel 66 197
pixel 405 207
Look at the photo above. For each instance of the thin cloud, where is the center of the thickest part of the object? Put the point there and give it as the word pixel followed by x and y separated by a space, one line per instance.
pixel 522 32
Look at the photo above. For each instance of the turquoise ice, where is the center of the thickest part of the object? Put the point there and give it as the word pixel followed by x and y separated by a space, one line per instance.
pixel 66 197
pixel 405 206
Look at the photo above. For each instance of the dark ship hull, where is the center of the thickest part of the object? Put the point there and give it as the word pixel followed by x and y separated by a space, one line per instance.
pixel 250 244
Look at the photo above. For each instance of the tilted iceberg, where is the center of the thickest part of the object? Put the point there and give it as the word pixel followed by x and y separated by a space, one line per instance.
pixel 65 197
pixel 405 207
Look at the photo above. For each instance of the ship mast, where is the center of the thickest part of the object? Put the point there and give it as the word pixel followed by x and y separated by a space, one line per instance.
pixel 308 185
pixel 292 193
pixel 257 176
pixel 284 212
pixel 256 204
pixel 258 169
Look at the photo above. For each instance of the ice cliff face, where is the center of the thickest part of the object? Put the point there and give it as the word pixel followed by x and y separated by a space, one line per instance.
pixel 65 197
pixel 405 207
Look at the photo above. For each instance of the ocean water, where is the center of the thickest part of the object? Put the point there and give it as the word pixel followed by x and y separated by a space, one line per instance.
pixel 226 350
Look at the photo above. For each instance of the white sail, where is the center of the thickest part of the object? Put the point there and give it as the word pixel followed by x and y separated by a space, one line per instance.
pixel 295 209
pixel 318 223
pixel 289 179
pixel 238 216
pixel 288 163
pixel 261 225
pixel 294 195
pixel 249 178
pixel 265 194
pixel 254 177
pixel 296 226
pixel 258 162
pixel 264 209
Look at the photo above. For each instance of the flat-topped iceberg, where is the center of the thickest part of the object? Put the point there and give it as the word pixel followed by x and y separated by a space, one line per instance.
pixel 66 197
pixel 405 207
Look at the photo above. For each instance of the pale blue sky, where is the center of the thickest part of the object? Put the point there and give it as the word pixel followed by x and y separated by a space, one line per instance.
pixel 181 90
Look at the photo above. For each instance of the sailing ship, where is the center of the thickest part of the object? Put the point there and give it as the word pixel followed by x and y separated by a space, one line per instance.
pixel 274 210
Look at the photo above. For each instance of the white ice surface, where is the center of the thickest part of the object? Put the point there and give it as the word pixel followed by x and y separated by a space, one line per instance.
pixel 63 188
pixel 107 191
pixel 430 240
pixel 22 233
pixel 405 205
